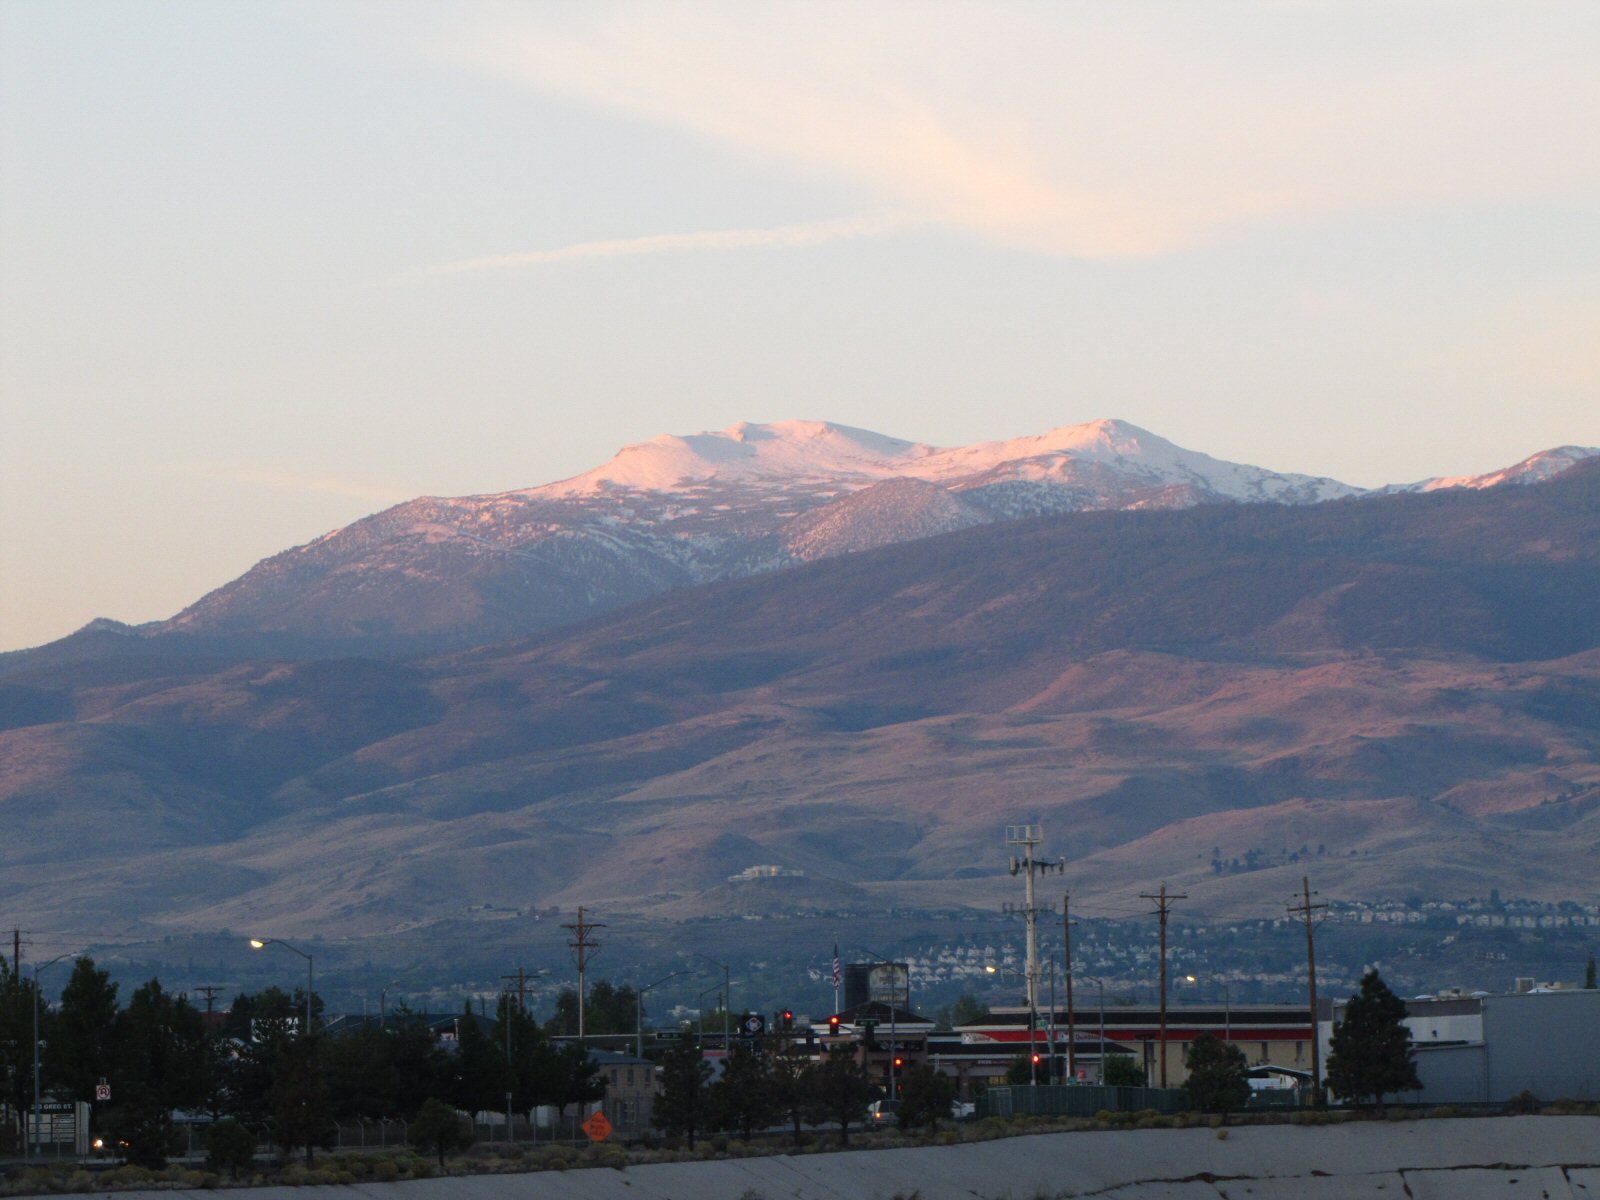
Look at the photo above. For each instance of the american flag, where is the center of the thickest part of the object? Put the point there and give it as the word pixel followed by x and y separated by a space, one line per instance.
pixel 836 964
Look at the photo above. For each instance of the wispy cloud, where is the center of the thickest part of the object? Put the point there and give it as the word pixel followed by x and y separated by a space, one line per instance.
pixel 810 233
pixel 1098 130
pixel 288 481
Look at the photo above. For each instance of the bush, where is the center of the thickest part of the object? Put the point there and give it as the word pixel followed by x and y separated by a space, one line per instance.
pixel 1222 1135
pixel 1523 1102
pixel 384 1170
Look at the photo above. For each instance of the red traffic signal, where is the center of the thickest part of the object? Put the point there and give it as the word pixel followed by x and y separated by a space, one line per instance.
pixel 1037 1060
pixel 898 1061
pixel 833 1023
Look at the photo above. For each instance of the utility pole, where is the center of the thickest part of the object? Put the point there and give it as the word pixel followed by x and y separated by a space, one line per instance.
pixel 1072 1028
pixel 1305 909
pixel 1028 837
pixel 16 954
pixel 522 980
pixel 209 991
pixel 580 931
pixel 1163 906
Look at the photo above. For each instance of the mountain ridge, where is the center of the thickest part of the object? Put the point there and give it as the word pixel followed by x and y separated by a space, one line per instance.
pixel 1412 681
pixel 682 510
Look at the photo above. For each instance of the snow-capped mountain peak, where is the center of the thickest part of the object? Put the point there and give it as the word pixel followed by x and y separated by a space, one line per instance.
pixel 685 509
pixel 785 451
pixel 1534 469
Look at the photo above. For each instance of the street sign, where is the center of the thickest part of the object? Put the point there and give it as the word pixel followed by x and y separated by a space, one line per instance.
pixel 754 1025
pixel 102 1091
pixel 597 1127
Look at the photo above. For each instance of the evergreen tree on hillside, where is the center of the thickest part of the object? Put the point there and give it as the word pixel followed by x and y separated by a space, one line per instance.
pixel 1371 1053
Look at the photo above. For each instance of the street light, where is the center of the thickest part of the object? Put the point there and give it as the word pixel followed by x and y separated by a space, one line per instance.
pixel 638 1015
pixel 1033 1057
pixel 727 996
pixel 263 943
pixel 37 968
pixel 383 1000
pixel 700 1014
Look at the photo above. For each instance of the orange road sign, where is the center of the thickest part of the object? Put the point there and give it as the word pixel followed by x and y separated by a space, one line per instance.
pixel 597 1127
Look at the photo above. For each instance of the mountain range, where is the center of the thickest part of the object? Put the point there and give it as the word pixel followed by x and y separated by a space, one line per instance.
pixel 677 511
pixel 603 691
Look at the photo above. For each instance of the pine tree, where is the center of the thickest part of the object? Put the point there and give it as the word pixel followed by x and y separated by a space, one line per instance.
pixel 745 1097
pixel 925 1096
pixel 840 1092
pixel 1371 1053
pixel 683 1103
pixel 1217 1081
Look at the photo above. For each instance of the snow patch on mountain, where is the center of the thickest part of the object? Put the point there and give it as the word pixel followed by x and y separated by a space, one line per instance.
pixel 1536 468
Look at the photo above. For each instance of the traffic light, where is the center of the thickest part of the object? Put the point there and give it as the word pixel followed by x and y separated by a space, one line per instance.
pixel 898 1062
pixel 833 1025
pixel 1037 1059
pixel 786 1020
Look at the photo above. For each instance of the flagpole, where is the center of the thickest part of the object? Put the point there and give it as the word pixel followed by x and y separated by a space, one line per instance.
pixel 836 977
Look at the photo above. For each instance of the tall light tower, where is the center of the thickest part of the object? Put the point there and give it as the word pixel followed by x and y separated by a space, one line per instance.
pixel 1030 837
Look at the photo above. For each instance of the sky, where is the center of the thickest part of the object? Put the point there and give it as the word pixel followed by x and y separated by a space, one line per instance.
pixel 267 267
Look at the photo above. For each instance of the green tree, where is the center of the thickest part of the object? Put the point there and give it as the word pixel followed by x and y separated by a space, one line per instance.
pixel 1020 1071
pixel 745 1098
pixel 1218 1081
pixel 363 1081
pixel 160 1064
pixel 1371 1053
pixel 683 1105
pixel 791 1068
pixel 422 1067
pixel 82 1031
pixel 1120 1070
pixel 840 1092
pixel 439 1128
pixel 607 1009
pixel 230 1147
pixel 577 1078
pixel 17 1000
pixel 926 1094
pixel 482 1077
pixel 538 1075
pixel 302 1110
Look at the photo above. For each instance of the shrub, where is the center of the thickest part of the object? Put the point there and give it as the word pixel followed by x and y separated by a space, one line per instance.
pixel 384 1170
pixel 1222 1135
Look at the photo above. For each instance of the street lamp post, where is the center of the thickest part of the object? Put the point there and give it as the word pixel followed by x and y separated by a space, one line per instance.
pixel 383 1001
pixel 727 997
pixel 263 943
pixel 34 1132
pixel 1033 1066
pixel 638 1016
pixel 1101 985
pixel 700 1015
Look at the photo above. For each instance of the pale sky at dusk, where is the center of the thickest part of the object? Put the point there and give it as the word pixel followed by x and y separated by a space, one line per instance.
pixel 266 267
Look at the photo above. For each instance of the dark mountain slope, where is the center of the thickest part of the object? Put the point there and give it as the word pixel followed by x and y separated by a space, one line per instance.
pixel 1410 682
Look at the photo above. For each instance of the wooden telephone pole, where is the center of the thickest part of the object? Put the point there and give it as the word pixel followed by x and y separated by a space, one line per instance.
pixel 1072 1028
pixel 1306 909
pixel 1163 906
pixel 580 942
